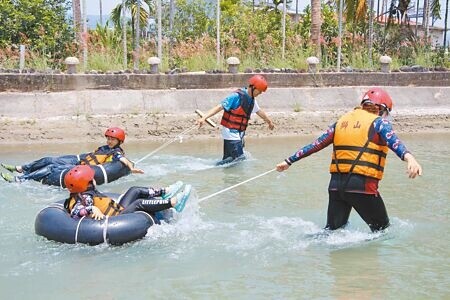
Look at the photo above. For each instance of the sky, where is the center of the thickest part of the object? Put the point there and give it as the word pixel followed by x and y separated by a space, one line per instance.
pixel 93 6
pixel 107 6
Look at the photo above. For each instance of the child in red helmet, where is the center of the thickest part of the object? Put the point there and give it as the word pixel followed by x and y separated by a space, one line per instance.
pixel 238 108
pixel 86 201
pixel 361 139
pixel 115 136
pixel 39 169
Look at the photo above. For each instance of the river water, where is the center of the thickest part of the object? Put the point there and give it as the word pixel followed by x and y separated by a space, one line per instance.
pixel 260 240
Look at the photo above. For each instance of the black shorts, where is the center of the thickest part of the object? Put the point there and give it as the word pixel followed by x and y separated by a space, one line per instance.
pixel 370 207
pixel 233 149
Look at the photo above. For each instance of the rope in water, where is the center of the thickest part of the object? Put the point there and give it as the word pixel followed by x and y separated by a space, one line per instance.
pixel 165 144
pixel 238 184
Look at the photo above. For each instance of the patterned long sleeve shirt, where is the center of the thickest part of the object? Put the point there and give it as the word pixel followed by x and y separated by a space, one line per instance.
pixel 83 205
pixel 359 183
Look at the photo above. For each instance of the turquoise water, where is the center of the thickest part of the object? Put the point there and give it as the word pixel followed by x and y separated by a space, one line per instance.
pixel 260 240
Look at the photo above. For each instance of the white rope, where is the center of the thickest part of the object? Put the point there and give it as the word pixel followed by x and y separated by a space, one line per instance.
pixel 166 144
pixel 233 186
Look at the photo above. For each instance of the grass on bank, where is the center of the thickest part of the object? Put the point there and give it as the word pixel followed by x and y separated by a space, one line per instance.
pixel 112 60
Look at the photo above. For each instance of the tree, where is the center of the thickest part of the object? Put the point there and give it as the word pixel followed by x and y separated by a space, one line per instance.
pixel 130 5
pixel 8 26
pixel 370 35
pixel 192 20
pixel 171 24
pixel 445 22
pixel 124 34
pixel 40 25
pixel 316 22
pixel 431 8
pixel 76 12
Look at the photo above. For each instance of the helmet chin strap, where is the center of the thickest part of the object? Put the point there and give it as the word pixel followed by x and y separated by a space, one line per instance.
pixel 252 90
pixel 385 114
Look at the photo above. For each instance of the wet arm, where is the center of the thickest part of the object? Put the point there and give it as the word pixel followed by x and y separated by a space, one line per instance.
pixel 262 114
pixel 119 155
pixel 209 114
pixel 130 165
pixel 320 143
pixel 384 129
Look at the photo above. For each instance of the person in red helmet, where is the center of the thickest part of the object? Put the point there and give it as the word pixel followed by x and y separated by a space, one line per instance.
pixel 238 108
pixel 115 136
pixel 86 201
pixel 361 139
pixel 38 169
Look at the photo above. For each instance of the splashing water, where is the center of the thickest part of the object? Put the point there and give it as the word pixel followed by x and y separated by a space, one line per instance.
pixel 261 240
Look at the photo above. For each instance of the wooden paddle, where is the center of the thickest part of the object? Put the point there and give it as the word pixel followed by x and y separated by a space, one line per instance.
pixel 209 121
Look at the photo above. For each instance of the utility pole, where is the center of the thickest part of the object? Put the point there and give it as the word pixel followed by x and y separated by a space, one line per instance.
pixel 124 35
pixel 138 35
pixel 283 50
pixel 101 13
pixel 370 33
pixel 85 37
pixel 341 7
pixel 158 3
pixel 171 37
pixel 445 27
pixel 218 34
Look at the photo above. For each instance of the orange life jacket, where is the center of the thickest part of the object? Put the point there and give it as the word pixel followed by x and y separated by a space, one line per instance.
pixel 354 147
pixel 106 205
pixel 99 156
pixel 238 118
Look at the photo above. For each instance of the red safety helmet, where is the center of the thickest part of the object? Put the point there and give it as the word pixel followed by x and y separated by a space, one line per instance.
pixel 258 82
pixel 78 178
pixel 379 97
pixel 116 132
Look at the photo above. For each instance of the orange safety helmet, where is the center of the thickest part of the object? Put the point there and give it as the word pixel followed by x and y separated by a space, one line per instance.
pixel 116 132
pixel 258 82
pixel 78 178
pixel 379 97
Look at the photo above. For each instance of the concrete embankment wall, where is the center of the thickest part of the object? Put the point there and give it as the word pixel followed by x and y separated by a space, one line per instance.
pixel 41 105
pixel 64 82
pixel 80 107
pixel 43 96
